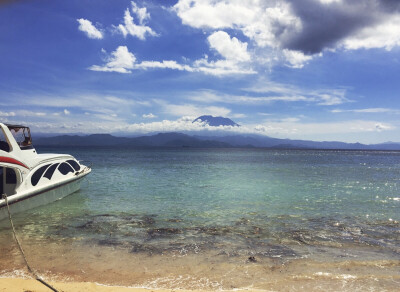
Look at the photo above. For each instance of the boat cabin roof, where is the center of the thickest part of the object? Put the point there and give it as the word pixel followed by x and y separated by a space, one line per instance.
pixel 16 126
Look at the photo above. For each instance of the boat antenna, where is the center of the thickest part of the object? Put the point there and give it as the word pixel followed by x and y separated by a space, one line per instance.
pixel 22 251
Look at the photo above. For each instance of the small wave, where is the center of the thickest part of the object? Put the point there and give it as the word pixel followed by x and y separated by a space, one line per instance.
pixel 14 274
pixel 333 276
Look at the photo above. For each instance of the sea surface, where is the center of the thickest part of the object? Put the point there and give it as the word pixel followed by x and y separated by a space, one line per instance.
pixel 279 220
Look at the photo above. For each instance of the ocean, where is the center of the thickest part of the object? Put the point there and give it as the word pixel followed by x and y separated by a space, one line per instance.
pixel 279 220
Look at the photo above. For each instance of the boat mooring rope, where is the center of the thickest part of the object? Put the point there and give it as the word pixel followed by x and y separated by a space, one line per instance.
pixel 22 251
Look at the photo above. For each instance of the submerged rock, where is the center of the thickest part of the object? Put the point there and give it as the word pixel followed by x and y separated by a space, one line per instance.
pixel 252 259
pixel 163 231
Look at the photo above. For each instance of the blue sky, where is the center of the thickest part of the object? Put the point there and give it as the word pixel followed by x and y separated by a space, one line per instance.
pixel 300 69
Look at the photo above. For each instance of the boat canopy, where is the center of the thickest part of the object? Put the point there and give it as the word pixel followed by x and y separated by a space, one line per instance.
pixel 22 136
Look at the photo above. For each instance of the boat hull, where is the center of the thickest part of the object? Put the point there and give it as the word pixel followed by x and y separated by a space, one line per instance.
pixel 40 197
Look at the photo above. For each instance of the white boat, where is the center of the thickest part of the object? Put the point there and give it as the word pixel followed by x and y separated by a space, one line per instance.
pixel 29 179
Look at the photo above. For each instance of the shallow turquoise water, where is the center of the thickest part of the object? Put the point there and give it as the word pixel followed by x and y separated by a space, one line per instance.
pixel 272 203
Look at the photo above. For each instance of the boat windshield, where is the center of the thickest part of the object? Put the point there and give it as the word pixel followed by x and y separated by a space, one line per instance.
pixel 22 136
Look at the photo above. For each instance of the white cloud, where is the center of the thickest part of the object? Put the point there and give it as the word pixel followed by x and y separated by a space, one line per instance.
pixel 383 35
pixel 121 61
pixel 282 32
pixel 296 59
pixel 229 48
pixel 141 13
pixel 87 27
pixel 89 107
pixel 220 67
pixel 265 23
pixel 233 51
pixel 163 65
pixel 30 113
pixel 210 97
pixel 330 1
pixel 7 114
pixel 149 116
pixel 296 129
pixel 213 14
pixel 137 30
pixel 258 20
pixel 273 93
pixel 368 110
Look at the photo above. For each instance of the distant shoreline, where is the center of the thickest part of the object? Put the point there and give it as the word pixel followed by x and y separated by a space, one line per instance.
pixel 179 140
pixel 213 148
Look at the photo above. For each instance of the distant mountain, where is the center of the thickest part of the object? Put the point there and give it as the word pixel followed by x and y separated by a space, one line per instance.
pixel 216 121
pixel 158 140
pixel 182 140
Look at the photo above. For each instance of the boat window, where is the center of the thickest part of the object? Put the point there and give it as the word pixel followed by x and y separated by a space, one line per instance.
pixel 74 164
pixel 3 142
pixel 65 168
pixel 50 171
pixel 22 136
pixel 11 177
pixel 38 174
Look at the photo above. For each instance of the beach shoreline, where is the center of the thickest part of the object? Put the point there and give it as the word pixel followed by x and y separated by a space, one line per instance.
pixel 31 285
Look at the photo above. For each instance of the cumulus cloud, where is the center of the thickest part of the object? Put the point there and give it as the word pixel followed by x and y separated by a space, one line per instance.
pixel 121 61
pixel 149 116
pixel 141 13
pixel 229 48
pixel 383 35
pixel 89 29
pixel 296 59
pixel 300 29
pixel 140 30
pixel 265 23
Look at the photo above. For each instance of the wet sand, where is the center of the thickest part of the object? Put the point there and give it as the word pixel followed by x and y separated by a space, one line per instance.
pixel 73 267
pixel 24 285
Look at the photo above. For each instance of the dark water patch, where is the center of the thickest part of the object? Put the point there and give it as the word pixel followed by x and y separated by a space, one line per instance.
pixel 161 232
pixel 278 251
pixel 212 230
pixel 109 242
pixel 174 220
pixel 265 236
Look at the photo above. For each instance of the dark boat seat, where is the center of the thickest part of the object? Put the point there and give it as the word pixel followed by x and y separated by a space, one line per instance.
pixel 4 146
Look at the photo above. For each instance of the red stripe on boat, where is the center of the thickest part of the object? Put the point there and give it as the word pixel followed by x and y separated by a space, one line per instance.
pixel 12 161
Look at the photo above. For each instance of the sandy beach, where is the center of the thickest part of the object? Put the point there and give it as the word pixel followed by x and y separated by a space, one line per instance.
pixel 25 285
